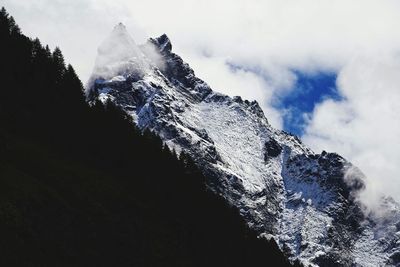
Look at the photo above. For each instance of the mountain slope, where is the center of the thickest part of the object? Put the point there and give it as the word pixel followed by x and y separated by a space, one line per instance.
pixel 307 202
pixel 81 186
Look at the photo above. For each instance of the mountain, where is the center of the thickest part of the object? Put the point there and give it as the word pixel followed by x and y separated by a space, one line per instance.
pixel 80 185
pixel 305 201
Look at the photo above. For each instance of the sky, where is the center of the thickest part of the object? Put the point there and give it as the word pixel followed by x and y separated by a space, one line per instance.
pixel 309 91
pixel 327 70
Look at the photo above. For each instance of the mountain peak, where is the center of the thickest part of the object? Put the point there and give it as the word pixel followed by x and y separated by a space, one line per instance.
pixel 163 43
pixel 119 42
pixel 116 51
pixel 120 25
pixel 120 29
pixel 307 202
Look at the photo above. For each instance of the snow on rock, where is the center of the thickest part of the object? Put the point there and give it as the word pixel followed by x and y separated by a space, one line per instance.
pixel 282 189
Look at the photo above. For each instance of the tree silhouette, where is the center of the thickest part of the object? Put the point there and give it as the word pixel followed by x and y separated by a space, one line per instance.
pixel 81 186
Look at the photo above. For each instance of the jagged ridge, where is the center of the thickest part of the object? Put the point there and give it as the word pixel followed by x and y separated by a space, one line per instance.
pixel 283 189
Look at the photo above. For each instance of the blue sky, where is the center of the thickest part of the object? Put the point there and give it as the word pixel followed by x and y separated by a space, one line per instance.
pixel 309 90
pixel 296 106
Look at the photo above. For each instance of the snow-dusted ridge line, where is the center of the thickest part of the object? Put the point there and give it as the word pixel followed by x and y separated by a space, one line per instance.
pixel 282 188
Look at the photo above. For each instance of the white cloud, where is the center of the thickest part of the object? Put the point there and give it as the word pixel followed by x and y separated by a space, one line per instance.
pixel 366 126
pixel 267 38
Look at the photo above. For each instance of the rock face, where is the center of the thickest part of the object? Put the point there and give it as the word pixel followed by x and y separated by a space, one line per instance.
pixel 307 202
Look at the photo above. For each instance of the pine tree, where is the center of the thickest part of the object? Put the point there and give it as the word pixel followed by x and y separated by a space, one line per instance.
pixel 14 28
pixel 4 22
pixel 59 62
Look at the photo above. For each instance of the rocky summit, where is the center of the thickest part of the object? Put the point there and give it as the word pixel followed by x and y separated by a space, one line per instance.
pixel 307 202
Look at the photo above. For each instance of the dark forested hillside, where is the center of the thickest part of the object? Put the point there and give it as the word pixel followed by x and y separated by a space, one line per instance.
pixel 80 186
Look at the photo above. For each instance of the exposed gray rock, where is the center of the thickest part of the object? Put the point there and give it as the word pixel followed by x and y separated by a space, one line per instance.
pixel 283 189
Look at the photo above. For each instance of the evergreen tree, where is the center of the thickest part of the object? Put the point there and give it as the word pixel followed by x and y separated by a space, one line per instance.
pixel 59 63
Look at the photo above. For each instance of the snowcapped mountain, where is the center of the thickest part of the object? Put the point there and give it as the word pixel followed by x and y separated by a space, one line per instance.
pixel 306 201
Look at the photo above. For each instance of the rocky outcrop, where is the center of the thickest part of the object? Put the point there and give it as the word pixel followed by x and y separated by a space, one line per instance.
pixel 305 201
